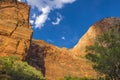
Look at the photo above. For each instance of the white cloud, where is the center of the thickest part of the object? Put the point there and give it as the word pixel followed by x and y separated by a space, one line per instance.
pixel 40 20
pixel 63 38
pixel 31 21
pixel 58 19
pixel 34 15
pixel 45 7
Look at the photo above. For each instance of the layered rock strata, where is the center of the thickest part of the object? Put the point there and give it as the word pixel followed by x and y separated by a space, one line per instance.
pixel 15 31
pixel 56 63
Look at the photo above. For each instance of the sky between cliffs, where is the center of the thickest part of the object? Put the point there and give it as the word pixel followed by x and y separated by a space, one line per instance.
pixel 63 22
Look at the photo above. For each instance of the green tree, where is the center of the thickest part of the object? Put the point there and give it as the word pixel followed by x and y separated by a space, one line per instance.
pixel 14 69
pixel 105 54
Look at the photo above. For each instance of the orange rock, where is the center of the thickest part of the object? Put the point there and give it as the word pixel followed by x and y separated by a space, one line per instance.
pixel 56 63
pixel 15 30
pixel 89 37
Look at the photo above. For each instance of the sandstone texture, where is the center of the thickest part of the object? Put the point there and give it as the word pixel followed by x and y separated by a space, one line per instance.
pixel 15 31
pixel 56 63
pixel 90 36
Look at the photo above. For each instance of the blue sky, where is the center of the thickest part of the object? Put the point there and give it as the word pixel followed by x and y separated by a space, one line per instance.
pixel 64 22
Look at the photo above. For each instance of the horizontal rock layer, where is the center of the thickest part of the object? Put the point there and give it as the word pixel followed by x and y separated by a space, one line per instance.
pixel 15 31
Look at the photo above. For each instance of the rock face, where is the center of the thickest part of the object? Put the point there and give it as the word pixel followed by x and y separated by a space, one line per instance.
pixel 15 31
pixel 56 63
pixel 95 30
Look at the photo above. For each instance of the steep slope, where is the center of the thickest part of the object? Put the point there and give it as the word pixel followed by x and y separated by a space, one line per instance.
pixel 57 62
pixel 95 30
pixel 15 31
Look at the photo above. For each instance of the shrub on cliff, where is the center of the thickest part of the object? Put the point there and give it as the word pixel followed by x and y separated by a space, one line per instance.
pixel 18 70
pixel 106 54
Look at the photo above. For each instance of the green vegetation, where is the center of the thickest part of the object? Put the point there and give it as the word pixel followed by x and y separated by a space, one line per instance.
pixel 11 68
pixel 76 78
pixel 105 54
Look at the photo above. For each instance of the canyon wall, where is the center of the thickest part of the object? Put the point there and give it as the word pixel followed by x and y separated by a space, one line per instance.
pixel 90 36
pixel 54 62
pixel 15 30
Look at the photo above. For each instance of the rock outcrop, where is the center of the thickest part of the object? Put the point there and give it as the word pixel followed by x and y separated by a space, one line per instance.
pixel 15 31
pixel 90 36
pixel 56 63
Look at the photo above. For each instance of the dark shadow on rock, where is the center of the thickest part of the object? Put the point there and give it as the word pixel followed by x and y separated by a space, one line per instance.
pixel 35 57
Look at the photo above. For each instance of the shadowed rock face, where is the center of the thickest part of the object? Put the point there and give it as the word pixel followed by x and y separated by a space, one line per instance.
pixel 95 30
pixel 15 31
pixel 55 62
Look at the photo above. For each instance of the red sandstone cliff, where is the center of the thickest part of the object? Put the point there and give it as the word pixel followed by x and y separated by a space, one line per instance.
pixel 96 29
pixel 15 31
pixel 57 62
pixel 54 62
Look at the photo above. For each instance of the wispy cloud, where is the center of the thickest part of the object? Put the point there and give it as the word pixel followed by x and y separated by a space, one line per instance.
pixel 58 20
pixel 45 7
pixel 31 21
pixel 34 15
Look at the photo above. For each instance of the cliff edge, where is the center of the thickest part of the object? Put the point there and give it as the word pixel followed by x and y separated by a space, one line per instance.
pixel 54 62
pixel 90 36
pixel 15 30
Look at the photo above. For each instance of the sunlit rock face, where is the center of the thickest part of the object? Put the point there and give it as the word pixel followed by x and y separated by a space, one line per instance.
pixel 90 36
pixel 56 63
pixel 15 31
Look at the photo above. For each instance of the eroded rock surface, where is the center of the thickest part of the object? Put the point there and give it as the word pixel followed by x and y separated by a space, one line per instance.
pixel 15 31
pixel 56 63
pixel 90 36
